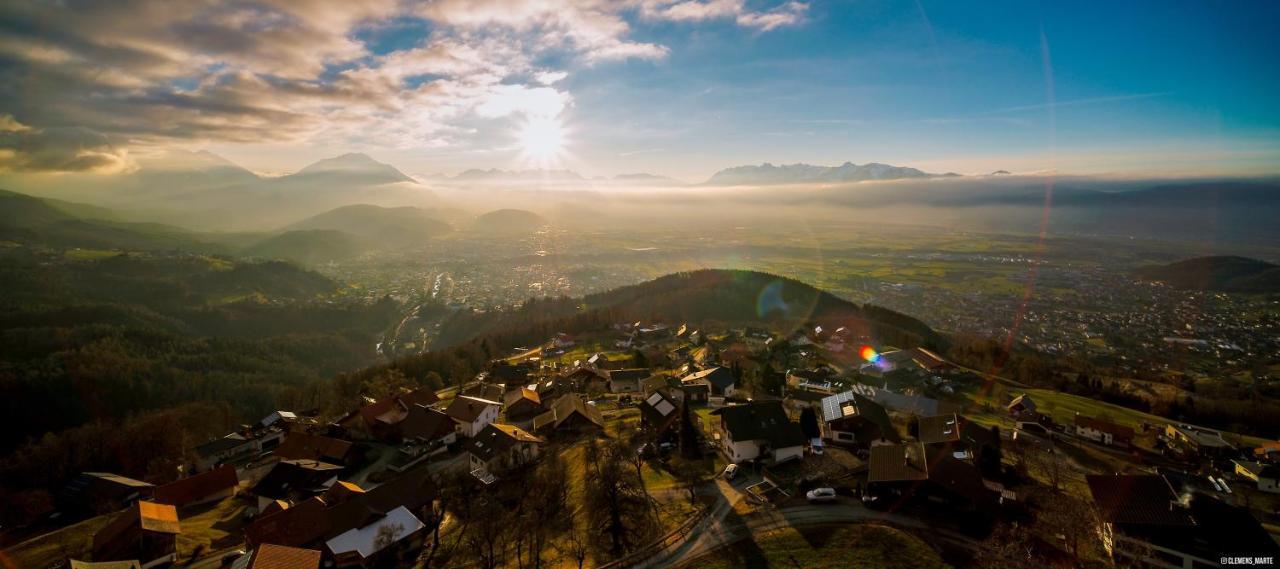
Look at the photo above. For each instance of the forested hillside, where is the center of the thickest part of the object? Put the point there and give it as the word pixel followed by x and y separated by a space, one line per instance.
pixel 707 295
pixel 93 347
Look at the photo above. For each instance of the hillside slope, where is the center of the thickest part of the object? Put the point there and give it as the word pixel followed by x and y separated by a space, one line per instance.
pixel 1217 273
pixel 729 296
pixel 388 226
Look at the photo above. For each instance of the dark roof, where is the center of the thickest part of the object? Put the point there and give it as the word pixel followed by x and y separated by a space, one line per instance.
pixel 425 423
pixel 1145 499
pixel 848 404
pixel 761 421
pixel 288 476
pixel 496 439
pixel 314 519
pixel 895 463
pixel 297 525
pixel 939 429
pixel 487 391
pixel 1024 400
pixel 197 487
pixel 509 372
pixel 1223 528
pixel 466 408
pixel 659 410
pixel 565 408
pixel 633 374
pixel 419 396
pixel 226 443
pixel 299 445
pixel 717 376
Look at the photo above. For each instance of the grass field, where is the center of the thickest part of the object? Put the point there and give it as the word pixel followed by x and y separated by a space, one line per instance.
pixel 864 545
pixel 204 528
pixel 74 541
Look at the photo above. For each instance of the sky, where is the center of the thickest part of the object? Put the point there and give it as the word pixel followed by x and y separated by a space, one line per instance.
pixel 673 87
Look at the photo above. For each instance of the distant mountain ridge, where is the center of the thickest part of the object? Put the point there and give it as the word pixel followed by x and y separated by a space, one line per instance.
pixel 496 175
pixel 768 173
pixel 1225 273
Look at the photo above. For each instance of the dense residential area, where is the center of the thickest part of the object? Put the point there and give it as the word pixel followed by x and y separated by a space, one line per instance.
pixel 652 444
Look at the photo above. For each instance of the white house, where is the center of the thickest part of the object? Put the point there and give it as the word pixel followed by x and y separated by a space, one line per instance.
pixel 759 430
pixel 472 413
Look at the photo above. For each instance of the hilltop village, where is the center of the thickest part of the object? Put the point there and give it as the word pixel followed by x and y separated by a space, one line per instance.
pixel 660 445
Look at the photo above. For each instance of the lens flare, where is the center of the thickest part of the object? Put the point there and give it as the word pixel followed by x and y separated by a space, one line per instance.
pixel 868 353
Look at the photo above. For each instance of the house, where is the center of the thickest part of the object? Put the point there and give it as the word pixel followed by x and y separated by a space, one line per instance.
pixel 653 383
pixel 101 492
pixel 1104 432
pixel 236 446
pixel 570 414
pixel 291 480
pixel 693 393
pixel 501 447
pixel 931 362
pixel 380 418
pixel 759 430
pixel 521 406
pixel 269 556
pixel 1144 521
pixel 489 391
pixel 912 471
pixel 390 538
pixel 471 414
pixel 889 361
pixel 851 419
pixel 719 381
pixel 658 413
pixel 212 486
pixel 585 379
pixel 147 532
pixel 903 403
pixel 510 374
pixel 627 380
pixel 426 425
pixel 1021 405
pixel 1266 476
pixel 311 522
pixel 301 445
pixel 1189 440
pixel 961 438
pixel 279 418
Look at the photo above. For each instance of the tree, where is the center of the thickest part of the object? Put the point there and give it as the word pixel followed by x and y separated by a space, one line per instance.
pixel 809 423
pixel 1071 518
pixel 688 433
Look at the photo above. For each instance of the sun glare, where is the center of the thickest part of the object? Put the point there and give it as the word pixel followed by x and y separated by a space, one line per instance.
pixel 542 139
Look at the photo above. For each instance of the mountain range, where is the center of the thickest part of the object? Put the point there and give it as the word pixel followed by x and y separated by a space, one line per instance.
pixel 769 174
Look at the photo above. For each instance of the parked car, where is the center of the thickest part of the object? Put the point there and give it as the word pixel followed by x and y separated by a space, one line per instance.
pixel 821 495
pixel 730 472
pixel 230 558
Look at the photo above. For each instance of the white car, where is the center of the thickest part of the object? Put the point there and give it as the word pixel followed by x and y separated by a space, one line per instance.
pixel 821 495
pixel 730 471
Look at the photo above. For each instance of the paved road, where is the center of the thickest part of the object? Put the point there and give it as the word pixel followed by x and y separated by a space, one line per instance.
pixel 723 527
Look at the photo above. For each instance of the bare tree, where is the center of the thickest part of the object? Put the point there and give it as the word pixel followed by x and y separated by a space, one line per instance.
pixel 1074 521
pixel 577 540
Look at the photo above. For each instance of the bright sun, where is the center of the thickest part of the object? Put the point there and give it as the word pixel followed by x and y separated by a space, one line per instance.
pixel 542 138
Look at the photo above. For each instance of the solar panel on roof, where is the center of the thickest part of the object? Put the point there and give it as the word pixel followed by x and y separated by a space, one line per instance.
pixel 664 408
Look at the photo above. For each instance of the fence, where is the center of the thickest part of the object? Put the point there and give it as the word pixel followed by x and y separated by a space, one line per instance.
pixel 659 545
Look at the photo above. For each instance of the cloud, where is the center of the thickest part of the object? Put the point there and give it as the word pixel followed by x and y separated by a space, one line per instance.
pixel 787 14
pixel 63 149
pixel 154 73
